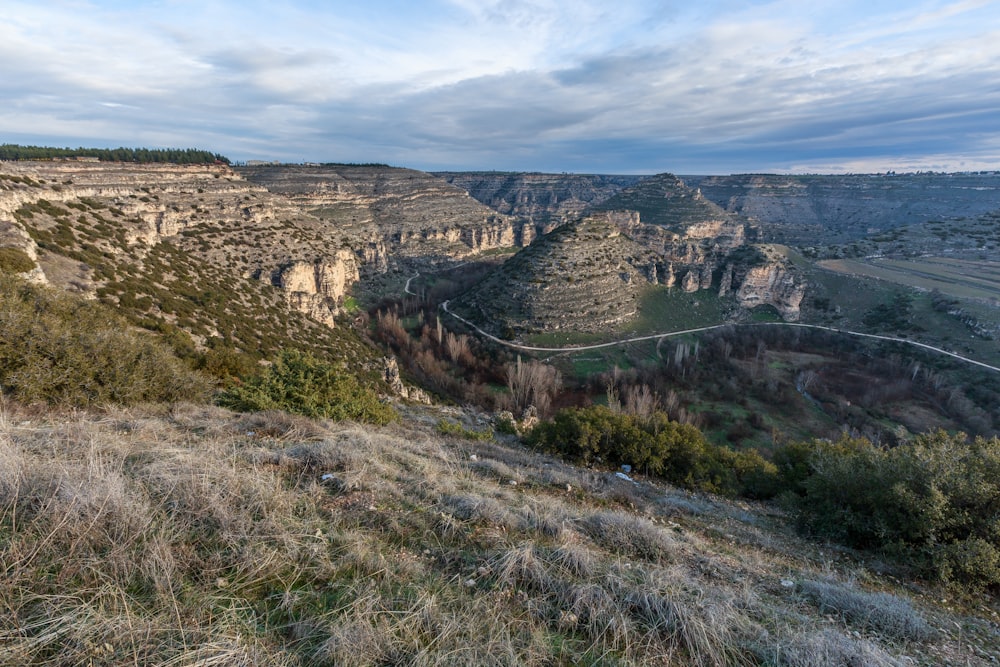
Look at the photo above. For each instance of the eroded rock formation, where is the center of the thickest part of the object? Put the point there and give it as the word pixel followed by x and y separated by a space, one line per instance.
pixel 775 284
pixel 319 288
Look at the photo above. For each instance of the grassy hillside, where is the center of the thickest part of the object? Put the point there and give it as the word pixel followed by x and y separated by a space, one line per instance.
pixel 195 535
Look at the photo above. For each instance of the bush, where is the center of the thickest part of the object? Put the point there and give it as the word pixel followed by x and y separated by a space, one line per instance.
pixel 932 501
pixel 299 383
pixel 60 349
pixel 447 427
pixel 15 260
pixel 657 446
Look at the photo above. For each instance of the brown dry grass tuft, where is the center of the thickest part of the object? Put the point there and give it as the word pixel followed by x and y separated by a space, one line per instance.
pixel 196 536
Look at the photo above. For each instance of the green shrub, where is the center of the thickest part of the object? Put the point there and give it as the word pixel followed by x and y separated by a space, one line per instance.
pixel 447 427
pixel 656 446
pixel 298 382
pixel 933 502
pixel 61 349
pixel 15 260
pixel 226 363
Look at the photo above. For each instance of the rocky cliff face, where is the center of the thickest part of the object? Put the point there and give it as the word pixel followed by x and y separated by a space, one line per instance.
pixel 402 214
pixel 826 209
pixel 774 284
pixel 545 200
pixel 319 288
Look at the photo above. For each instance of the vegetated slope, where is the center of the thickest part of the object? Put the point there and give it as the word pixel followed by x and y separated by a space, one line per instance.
pixel 812 210
pixel 547 200
pixel 584 276
pixel 216 264
pixel 666 201
pixel 203 536
pixel 408 212
pixel 220 263
pixel 61 349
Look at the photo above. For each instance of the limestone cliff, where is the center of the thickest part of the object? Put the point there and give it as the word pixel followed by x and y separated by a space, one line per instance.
pixel 545 200
pixel 403 215
pixel 775 284
pixel 319 288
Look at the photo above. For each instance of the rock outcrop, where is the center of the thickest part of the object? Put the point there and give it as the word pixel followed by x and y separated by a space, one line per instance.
pixel 775 284
pixel 319 288
pixel 390 373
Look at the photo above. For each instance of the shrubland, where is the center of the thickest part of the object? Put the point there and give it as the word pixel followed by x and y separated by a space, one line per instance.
pixel 931 502
pixel 60 349
pixel 299 383
pixel 657 446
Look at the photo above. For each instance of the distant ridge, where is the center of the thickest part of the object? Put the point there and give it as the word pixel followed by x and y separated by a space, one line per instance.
pixel 140 155
pixel 665 200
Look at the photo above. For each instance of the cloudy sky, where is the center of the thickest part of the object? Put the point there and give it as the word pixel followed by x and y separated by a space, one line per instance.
pixel 611 86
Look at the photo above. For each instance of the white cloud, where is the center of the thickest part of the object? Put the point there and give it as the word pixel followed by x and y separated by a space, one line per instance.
pixel 517 80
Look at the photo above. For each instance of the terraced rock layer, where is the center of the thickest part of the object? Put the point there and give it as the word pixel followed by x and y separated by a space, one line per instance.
pixel 402 212
pixel 584 276
pixel 547 200
pixel 808 210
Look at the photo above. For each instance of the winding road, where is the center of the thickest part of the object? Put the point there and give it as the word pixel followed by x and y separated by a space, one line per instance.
pixel 582 348
pixel 406 287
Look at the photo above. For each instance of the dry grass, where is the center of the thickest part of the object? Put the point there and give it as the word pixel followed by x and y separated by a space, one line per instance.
pixel 880 612
pixel 196 536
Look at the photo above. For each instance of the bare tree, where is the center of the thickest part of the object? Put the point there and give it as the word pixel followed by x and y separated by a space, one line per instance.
pixel 641 401
pixel 534 384
pixel 456 346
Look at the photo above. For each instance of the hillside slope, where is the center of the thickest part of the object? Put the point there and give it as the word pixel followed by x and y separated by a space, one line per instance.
pixel 249 261
pixel 809 210
pixel 200 536
pixel 548 200
pixel 584 276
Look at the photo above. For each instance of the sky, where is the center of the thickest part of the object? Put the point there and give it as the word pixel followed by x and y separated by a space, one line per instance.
pixel 623 86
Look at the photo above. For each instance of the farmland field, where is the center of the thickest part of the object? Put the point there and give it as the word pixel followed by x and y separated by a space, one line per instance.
pixel 959 278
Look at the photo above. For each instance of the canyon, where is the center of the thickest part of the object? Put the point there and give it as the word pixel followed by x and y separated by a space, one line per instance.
pixel 570 252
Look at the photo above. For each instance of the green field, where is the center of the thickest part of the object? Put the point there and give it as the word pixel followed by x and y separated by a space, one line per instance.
pixel 672 309
pixel 960 278
pixel 856 287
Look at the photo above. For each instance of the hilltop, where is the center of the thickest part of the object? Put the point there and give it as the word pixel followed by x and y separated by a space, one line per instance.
pixel 584 276
pixel 591 276
pixel 666 201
